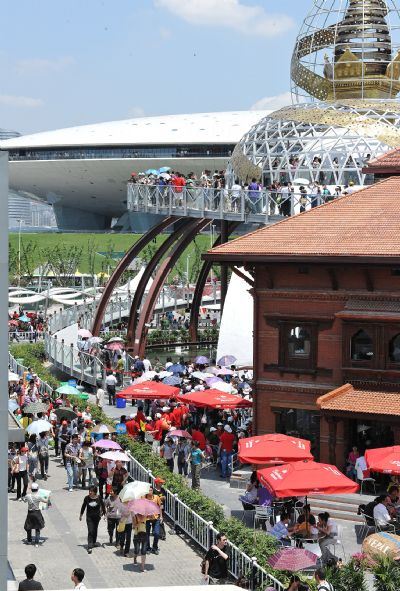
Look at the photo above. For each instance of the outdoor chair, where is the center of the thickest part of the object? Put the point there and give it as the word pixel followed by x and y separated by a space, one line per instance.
pixel 338 541
pixel 367 525
pixel 248 510
pixel 368 480
pixel 261 515
pixel 314 547
pixel 389 527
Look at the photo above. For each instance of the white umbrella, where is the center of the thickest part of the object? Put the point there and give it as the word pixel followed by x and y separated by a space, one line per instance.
pixel 13 377
pixel 134 490
pixel 166 176
pixel 200 375
pixel 222 386
pixel 95 340
pixel 84 332
pixel 165 374
pixel 115 456
pixel 116 340
pixel 150 374
pixel 301 181
pixel 37 427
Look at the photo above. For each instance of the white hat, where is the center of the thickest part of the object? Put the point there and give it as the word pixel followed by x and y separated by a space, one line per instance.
pixel 212 429
pixel 165 408
pixel 132 416
pixel 228 429
pixel 35 486
pixel 149 419
pixel 220 424
pixel 230 419
pixel 158 415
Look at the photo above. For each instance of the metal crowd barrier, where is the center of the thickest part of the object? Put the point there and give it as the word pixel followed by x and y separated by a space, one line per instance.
pixel 25 336
pixel 204 534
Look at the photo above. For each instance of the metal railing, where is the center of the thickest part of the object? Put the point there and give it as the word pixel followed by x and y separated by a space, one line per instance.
pixel 26 336
pixel 19 368
pixel 203 533
pixel 257 206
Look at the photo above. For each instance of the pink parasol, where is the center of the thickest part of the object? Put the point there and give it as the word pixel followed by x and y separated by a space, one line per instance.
pixel 84 332
pixel 107 444
pixel 293 559
pixel 179 433
pixel 114 346
pixel 144 507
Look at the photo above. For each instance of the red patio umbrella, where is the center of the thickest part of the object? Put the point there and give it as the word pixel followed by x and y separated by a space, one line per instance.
pixel 293 559
pixel 300 479
pixel 384 459
pixel 149 390
pixel 274 448
pixel 215 399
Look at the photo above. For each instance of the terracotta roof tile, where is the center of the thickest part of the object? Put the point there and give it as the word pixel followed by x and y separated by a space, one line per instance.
pixel 389 160
pixel 349 399
pixel 365 223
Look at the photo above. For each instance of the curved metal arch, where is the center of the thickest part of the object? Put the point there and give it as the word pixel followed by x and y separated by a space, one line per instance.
pixel 193 228
pixel 122 266
pixel 148 271
pixel 200 283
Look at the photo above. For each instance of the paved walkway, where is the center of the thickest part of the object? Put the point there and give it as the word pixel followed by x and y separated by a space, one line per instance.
pixel 64 541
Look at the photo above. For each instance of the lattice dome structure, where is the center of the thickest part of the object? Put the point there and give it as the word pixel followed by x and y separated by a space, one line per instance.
pixel 324 142
pixel 346 63
pixel 348 49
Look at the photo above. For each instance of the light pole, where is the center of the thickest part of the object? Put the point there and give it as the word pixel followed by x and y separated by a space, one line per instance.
pixel 187 268
pixel 19 252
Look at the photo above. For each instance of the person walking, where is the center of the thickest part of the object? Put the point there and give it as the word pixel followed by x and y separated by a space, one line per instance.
pixel 94 507
pixel 34 519
pixel 168 451
pixel 111 382
pixel 86 457
pixel 216 562
pixel 42 446
pixel 114 510
pixel 72 461
pixel 29 584
pixel 225 450
pixel 100 396
pixel 119 476
pixel 196 459
pixel 139 540
pixel 77 576
pixel 183 452
pixel 20 469
pixel 125 531
pixel 153 523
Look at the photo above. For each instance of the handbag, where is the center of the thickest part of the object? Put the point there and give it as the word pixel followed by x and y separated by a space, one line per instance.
pixel 121 527
pixel 15 467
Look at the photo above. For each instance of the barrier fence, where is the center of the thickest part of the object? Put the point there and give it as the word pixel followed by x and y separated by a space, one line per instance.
pixel 185 519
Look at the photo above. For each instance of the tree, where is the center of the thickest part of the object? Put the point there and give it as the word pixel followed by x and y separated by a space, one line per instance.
pixel 28 260
pixel 63 262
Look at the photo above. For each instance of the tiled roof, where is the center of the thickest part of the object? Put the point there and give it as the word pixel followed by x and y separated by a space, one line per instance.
pixel 348 399
pixel 388 160
pixel 365 223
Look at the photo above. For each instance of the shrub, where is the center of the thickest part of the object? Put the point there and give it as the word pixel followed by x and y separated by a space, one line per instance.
pixel 34 355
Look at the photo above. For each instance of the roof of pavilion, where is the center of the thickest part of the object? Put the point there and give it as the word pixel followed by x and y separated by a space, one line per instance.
pixel 350 399
pixel 388 162
pixel 364 225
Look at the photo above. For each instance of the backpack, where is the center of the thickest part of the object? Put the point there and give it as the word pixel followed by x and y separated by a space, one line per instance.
pixel 326 587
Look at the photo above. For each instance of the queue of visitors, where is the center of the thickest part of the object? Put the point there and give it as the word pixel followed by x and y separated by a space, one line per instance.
pixel 26 325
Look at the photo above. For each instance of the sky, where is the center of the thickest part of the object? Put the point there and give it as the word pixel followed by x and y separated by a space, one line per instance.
pixel 87 61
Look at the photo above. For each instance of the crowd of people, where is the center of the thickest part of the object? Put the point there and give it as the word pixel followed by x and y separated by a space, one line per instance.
pixel 27 325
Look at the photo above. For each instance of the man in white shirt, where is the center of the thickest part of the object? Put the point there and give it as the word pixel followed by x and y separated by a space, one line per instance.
pixel 382 515
pixel 100 396
pixel 147 364
pixel 360 466
pixel 77 577
pixel 322 583
pixel 111 382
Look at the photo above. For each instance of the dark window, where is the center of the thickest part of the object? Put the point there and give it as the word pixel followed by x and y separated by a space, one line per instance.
pixel 361 346
pixel 298 346
pixel 299 343
pixel 394 349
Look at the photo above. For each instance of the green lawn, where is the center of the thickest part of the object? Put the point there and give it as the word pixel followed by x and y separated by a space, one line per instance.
pixel 98 243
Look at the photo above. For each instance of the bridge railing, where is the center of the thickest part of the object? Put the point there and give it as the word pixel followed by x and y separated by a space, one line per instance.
pixel 260 206
pixel 26 336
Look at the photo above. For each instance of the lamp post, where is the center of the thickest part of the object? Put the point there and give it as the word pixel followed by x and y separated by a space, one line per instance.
pixel 187 269
pixel 19 252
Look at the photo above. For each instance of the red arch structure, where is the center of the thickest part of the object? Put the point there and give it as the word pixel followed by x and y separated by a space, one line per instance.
pixel 124 263
pixel 150 268
pixel 193 228
pixel 200 283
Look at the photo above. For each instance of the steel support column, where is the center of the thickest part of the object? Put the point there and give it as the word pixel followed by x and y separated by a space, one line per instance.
pixel 224 268
pixel 122 266
pixel 166 266
pixel 200 283
pixel 147 273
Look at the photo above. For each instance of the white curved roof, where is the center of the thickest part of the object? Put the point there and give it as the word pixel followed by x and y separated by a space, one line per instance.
pixel 199 128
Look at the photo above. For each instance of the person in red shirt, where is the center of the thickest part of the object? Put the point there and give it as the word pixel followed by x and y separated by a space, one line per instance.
pixel 184 415
pixel 141 421
pixel 132 427
pixel 199 436
pixel 178 183
pixel 225 451
pixel 157 434
pixel 176 417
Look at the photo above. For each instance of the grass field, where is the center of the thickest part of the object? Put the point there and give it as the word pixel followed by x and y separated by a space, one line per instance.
pixel 98 243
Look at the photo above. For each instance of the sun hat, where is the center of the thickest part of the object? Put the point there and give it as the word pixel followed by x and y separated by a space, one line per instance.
pixel 35 486
pixel 228 429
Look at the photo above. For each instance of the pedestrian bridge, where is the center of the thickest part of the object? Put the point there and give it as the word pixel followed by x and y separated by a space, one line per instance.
pixel 257 207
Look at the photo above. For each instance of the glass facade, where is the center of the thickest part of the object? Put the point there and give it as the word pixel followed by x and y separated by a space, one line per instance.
pixel 118 152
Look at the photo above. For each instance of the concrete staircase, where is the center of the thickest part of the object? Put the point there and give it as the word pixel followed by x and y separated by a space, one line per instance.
pixel 339 506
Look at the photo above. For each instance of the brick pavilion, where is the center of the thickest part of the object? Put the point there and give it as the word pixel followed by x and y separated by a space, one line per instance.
pixel 326 289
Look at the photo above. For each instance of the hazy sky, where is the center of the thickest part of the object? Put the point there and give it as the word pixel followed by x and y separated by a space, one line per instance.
pixel 85 61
